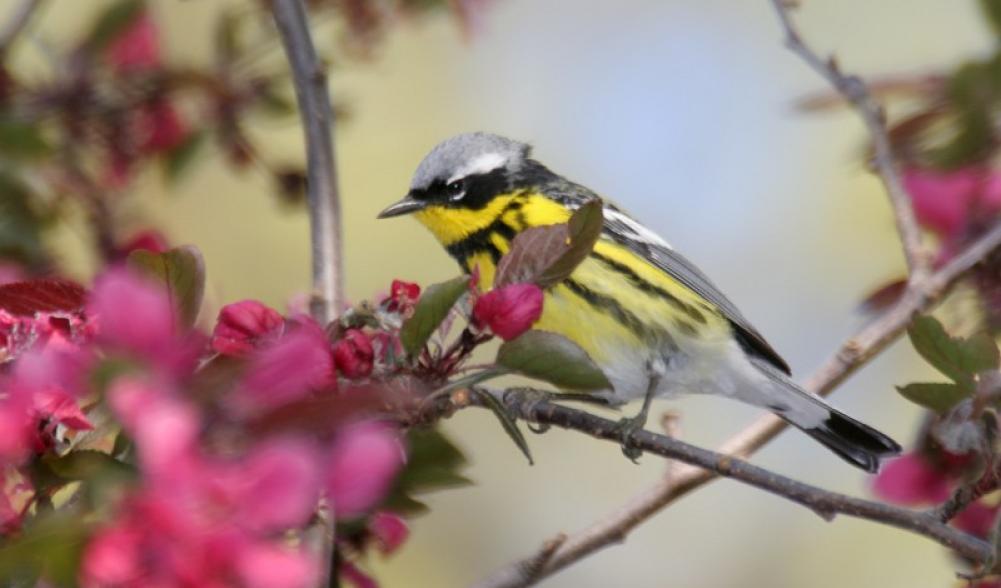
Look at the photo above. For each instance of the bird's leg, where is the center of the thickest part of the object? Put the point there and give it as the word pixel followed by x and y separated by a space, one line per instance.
pixel 630 425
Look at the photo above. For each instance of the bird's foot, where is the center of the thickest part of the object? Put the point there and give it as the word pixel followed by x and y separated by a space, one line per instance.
pixel 626 428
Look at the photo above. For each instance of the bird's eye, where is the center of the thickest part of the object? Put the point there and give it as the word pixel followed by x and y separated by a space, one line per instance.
pixel 455 190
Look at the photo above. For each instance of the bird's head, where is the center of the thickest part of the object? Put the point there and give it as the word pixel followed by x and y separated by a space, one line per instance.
pixel 459 183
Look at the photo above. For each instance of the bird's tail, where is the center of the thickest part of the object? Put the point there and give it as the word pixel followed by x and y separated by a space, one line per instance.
pixel 855 442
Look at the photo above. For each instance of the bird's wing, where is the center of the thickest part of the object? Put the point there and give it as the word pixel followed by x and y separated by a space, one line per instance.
pixel 628 232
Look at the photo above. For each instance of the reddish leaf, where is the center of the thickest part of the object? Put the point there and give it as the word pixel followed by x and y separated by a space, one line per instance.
pixel 27 298
pixel 883 297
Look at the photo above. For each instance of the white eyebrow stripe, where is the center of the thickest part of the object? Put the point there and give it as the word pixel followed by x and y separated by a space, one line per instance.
pixel 481 164
pixel 639 232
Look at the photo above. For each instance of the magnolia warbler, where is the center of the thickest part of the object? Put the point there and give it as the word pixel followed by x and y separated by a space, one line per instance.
pixel 647 316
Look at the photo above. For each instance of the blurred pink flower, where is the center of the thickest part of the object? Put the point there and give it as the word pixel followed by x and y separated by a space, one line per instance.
pixel 245 325
pixel 390 531
pixel 276 486
pixel 509 311
pixel 947 201
pixel 911 480
pixel 160 128
pixel 137 47
pixel 165 429
pixel 297 364
pixel 113 557
pixel 145 240
pixel 977 518
pixel 353 354
pixel 133 315
pixel 355 577
pixel 363 463
pixel 273 566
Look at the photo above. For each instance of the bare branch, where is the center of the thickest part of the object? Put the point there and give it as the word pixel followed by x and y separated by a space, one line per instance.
pixel 318 123
pixel 873 116
pixel 825 503
pixel 19 18
pixel 324 205
pixel 853 354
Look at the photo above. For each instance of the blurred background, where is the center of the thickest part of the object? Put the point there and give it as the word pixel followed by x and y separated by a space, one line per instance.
pixel 683 113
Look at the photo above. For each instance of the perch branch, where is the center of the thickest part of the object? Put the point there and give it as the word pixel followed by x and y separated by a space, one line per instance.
pixel 525 404
pixel 313 98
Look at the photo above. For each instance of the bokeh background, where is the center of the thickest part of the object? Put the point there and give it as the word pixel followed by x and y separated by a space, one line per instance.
pixel 682 112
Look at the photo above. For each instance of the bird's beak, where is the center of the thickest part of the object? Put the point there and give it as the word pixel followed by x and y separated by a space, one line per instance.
pixel 405 206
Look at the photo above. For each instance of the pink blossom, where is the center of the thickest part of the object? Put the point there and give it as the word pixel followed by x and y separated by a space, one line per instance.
pixel 297 364
pixel 146 240
pixel 165 429
pixel 160 128
pixel 133 315
pixel 245 325
pixel 977 518
pixel 509 311
pixel 946 201
pixel 353 354
pixel 911 480
pixel 390 531
pixel 403 296
pixel 137 47
pixel 113 557
pixel 276 486
pixel 363 464
pixel 271 566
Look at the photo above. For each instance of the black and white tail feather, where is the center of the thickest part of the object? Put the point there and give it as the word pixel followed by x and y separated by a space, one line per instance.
pixel 855 442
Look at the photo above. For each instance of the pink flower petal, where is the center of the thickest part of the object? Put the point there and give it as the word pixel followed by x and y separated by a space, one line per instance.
pixel 138 47
pixel 363 463
pixel 112 557
pixel 910 480
pixel 977 519
pixel 299 363
pixel 132 314
pixel 245 325
pixel 353 354
pixel 271 566
pixel 389 530
pixel 278 485
pixel 509 311
pixel 942 200
pixel 165 429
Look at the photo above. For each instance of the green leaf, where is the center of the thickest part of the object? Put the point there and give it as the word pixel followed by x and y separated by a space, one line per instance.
pixel 433 463
pixel 939 397
pixel 50 546
pixel 88 464
pixel 958 359
pixel 508 423
pixel 111 23
pixel 22 140
pixel 552 358
pixel 432 308
pixel 182 272
pixel 180 158
pixel 548 254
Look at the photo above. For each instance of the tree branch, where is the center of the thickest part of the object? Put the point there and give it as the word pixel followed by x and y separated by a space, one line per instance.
pixel 854 90
pixel 324 206
pixel 318 124
pixel 526 405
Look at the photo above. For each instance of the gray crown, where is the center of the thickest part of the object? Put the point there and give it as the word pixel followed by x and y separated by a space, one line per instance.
pixel 457 153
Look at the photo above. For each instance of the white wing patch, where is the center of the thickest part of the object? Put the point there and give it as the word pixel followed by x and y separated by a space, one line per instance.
pixel 631 229
pixel 481 164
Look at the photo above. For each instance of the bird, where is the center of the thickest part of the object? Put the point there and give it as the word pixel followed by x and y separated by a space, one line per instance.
pixel 648 317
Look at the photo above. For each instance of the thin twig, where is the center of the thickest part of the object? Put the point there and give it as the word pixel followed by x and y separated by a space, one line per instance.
pixel 318 124
pixel 19 18
pixel 874 117
pixel 824 503
pixel 316 112
pixel 853 354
